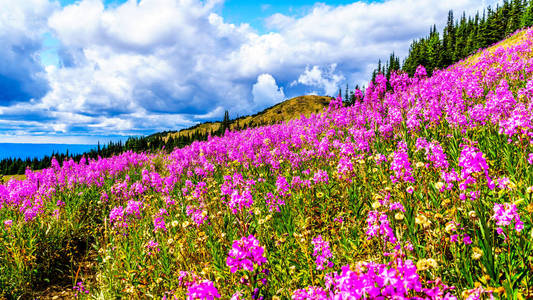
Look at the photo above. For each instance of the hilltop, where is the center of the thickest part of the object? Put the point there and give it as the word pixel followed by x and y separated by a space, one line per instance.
pixel 287 110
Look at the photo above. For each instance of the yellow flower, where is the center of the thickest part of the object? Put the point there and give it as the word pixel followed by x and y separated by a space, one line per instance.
pixel 376 205
pixel 399 216
pixel 426 263
pixel 450 226
pixel 422 220
pixel 476 253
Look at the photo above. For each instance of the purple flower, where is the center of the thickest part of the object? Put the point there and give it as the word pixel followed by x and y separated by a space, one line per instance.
pixel 204 290
pixel 134 208
pixel 311 293
pixel 505 214
pixel 8 223
pixel 159 224
pixel 152 246
pixel 322 253
pixel 321 176
pixel 197 214
pixel 245 254
pixel 401 165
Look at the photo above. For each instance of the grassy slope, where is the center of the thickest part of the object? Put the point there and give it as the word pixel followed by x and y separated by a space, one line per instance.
pixel 287 110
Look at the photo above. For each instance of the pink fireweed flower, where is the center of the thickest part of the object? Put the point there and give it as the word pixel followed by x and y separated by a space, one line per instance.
pixel 311 293
pixel 530 158
pixel 197 214
pixel 152 246
pixel 380 158
pixel 322 253
pixel 245 254
pixel 401 165
pixel 116 217
pixel 273 202
pixel 505 214
pixel 134 208
pixel 80 288
pixel 473 161
pixel 238 191
pixel 282 186
pixel 204 290
pixel 467 240
pixel 8 223
pixel 378 224
pixel 238 295
pixel 159 224
pixel 395 280
pixel 477 294
pixel 321 176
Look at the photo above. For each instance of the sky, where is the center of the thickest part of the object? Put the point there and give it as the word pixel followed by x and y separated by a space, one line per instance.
pixel 91 70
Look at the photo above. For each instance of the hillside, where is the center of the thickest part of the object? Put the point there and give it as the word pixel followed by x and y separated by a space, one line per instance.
pixel 420 191
pixel 287 110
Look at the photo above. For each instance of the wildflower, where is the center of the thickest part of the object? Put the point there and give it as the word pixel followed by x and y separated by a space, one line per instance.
pixel 322 253
pixel 321 176
pixel 134 208
pixel 159 224
pixel 410 189
pixel 116 217
pixel 79 287
pixel 152 246
pixel 422 220
pixel 476 253
pixel 401 165
pixel 505 214
pixel 197 214
pixel 245 254
pixel 8 223
pixel 204 290
pixel 311 293
pixel 426 263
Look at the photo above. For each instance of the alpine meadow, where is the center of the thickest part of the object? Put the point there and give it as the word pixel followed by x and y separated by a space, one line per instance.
pixel 418 186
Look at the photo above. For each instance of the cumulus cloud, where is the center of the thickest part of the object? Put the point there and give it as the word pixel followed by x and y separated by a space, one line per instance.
pixel 21 74
pixel 266 92
pixel 324 78
pixel 151 65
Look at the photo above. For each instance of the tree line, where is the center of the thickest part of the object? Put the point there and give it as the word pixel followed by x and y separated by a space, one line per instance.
pixel 461 37
pixel 152 143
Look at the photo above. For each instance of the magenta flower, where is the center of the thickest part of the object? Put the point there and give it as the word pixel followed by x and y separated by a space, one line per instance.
pixel 311 293
pixel 134 208
pixel 152 246
pixel 204 290
pixel 321 176
pixel 8 223
pixel 245 254
pixel 159 224
pixel 322 253
pixel 197 214
pixel 505 214
pixel 401 165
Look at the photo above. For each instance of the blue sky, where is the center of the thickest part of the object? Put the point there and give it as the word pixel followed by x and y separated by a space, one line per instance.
pixel 87 71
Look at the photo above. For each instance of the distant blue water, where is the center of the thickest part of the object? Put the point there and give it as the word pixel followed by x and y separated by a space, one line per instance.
pixel 40 150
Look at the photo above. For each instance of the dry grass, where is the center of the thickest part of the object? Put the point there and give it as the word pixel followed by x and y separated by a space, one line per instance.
pixel 287 110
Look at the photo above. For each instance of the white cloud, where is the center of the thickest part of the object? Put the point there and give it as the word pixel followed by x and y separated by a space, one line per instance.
pixel 266 92
pixel 325 79
pixel 163 64
pixel 22 24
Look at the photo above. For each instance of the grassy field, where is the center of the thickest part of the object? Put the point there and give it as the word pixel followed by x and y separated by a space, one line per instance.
pixel 421 191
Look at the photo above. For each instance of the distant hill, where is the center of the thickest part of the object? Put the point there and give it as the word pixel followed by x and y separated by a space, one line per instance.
pixel 287 110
